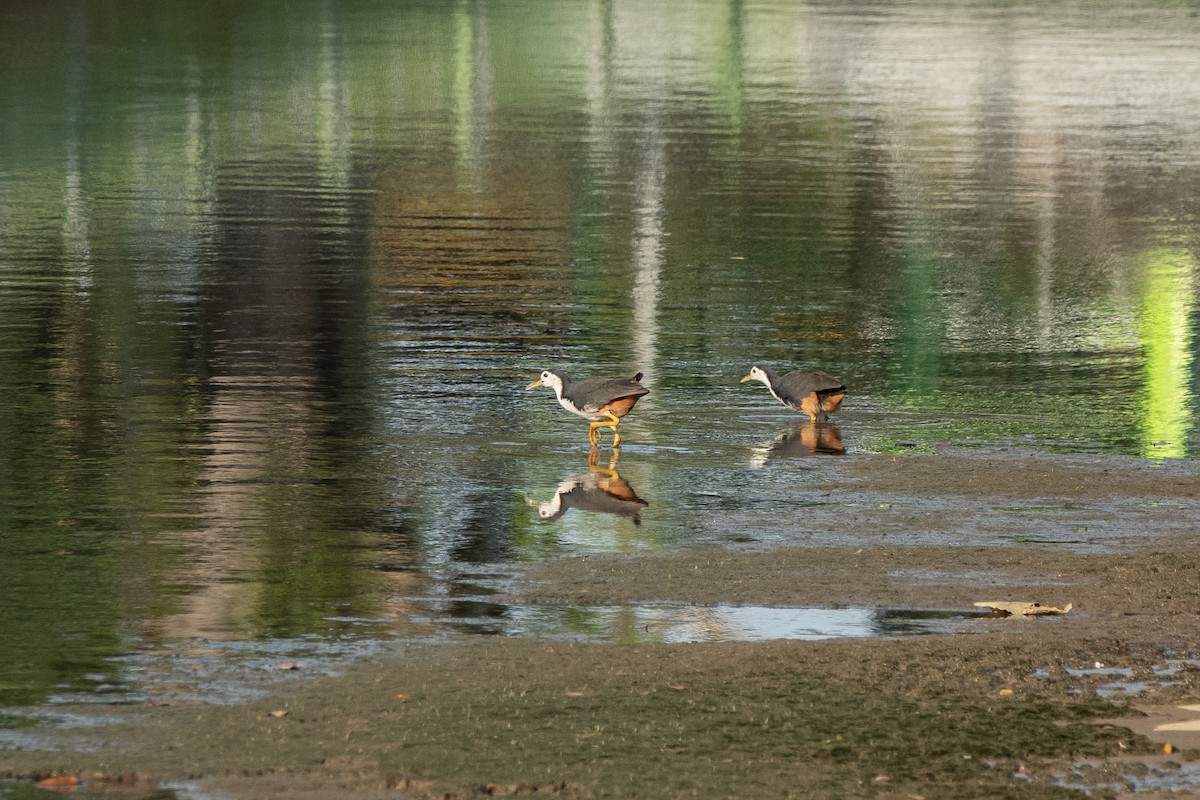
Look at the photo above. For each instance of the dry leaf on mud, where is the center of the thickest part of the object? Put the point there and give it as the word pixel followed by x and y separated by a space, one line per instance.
pixel 1004 608
pixel 277 713
pixel 60 783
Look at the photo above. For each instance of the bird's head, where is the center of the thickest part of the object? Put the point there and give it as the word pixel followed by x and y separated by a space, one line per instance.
pixel 549 377
pixel 757 373
pixel 551 509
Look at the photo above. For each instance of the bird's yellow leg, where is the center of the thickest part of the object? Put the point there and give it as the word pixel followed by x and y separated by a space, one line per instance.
pixel 594 429
pixel 594 466
pixel 616 436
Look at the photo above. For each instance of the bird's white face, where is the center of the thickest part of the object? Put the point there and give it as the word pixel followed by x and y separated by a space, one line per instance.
pixel 756 374
pixel 549 509
pixel 547 378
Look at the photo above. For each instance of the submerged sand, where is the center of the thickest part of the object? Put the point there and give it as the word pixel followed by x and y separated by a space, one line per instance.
pixel 1000 708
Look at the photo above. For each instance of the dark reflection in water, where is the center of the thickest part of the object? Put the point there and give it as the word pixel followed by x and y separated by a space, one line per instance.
pixel 270 282
pixel 601 490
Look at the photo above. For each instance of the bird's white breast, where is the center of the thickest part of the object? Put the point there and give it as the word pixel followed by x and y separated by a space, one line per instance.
pixel 562 402
pixel 763 380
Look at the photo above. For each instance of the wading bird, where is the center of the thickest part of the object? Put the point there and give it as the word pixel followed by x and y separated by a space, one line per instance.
pixel 808 391
pixel 602 400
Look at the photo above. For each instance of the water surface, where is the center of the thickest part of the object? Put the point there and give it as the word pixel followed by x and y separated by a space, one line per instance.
pixel 272 279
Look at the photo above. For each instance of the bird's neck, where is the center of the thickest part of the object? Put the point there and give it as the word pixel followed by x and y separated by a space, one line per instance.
pixel 560 386
pixel 772 380
pixel 551 508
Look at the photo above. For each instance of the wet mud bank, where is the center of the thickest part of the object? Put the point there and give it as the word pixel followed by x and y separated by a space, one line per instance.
pixel 1049 707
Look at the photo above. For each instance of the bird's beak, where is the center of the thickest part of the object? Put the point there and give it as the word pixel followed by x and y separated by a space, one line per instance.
pixel 534 384
pixel 747 378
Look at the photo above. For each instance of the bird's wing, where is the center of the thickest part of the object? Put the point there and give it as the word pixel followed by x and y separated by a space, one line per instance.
pixel 592 393
pixel 799 384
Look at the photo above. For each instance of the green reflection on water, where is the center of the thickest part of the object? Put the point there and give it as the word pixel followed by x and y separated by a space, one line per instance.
pixel 1168 306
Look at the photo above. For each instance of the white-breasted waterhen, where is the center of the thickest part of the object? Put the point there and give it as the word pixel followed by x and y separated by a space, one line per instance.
pixel 808 391
pixel 602 400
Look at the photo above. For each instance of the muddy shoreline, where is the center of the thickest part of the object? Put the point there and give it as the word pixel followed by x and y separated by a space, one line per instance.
pixel 1008 708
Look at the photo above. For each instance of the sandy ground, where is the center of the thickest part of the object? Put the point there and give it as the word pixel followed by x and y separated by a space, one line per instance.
pixel 1013 707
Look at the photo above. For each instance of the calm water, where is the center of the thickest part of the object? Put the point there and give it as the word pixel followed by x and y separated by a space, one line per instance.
pixel 273 277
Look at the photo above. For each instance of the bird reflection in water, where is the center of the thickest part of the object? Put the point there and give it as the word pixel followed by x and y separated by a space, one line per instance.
pixel 600 489
pixel 800 441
